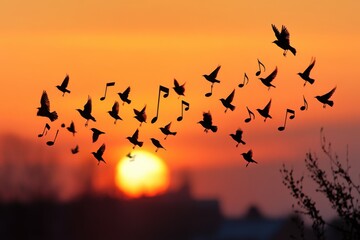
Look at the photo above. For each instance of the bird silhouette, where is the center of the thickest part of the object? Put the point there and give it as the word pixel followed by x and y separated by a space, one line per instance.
pixel 306 74
pixel 212 78
pixel 71 128
pixel 324 99
pixel 265 112
pixel 283 39
pixel 75 150
pixel 64 84
pixel 248 157
pixel 267 81
pixel 207 122
pixel 134 139
pixel 157 144
pixel 166 130
pixel 131 157
pixel 44 109
pixel 227 102
pixel 115 112
pixel 179 89
pixel 238 137
pixel 86 112
pixel 98 154
pixel 96 134
pixel 140 115
pixel 124 96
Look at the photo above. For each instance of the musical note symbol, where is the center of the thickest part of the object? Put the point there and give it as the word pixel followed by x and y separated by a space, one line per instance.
pixel 260 64
pixel 109 84
pixel 305 106
pixel 183 103
pixel 251 115
pixel 209 93
pixel 247 81
pixel 50 143
pixel 44 132
pixel 292 116
pixel 166 94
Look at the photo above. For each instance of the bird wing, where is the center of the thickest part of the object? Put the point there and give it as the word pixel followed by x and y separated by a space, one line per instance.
pixel 115 107
pixel 308 69
pixel 267 107
pixel 215 72
pixel 143 110
pixel 72 126
pixel 168 126
pixel 272 75
pixel 230 98
pixel 207 117
pixel 250 154
pixel 101 150
pixel 65 82
pixel 45 103
pixel 276 31
pixel 239 133
pixel 176 83
pixel 88 105
pixel 126 92
pixel 285 35
pixel 136 134
pixel 329 94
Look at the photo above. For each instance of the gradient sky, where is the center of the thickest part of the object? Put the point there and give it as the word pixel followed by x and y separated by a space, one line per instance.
pixel 143 44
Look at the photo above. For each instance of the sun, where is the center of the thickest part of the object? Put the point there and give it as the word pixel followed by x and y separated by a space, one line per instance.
pixel 144 174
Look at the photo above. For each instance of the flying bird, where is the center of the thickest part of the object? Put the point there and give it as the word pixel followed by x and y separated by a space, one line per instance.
pixel 96 134
pixel 75 150
pixel 115 112
pixel 283 39
pixel 131 157
pixel 140 115
pixel 157 144
pixel 98 154
pixel 212 78
pixel 71 128
pixel 267 81
pixel 207 122
pixel 64 84
pixel 124 96
pixel 238 137
pixel 44 109
pixel 265 112
pixel 227 102
pixel 166 130
pixel 134 139
pixel 325 99
pixel 306 74
pixel 86 112
pixel 248 157
pixel 179 89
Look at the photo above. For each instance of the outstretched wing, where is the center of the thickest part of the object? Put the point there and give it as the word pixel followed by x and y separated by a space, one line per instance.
pixel 250 154
pixel 44 102
pixel 272 75
pixel 329 94
pixel 65 82
pixel 308 69
pixel 136 134
pixel 276 31
pixel 230 98
pixel 239 133
pixel 267 107
pixel 207 117
pixel 115 107
pixel 101 150
pixel 168 126
pixel 88 105
pixel 215 72
pixel 176 84
pixel 285 35
pixel 126 92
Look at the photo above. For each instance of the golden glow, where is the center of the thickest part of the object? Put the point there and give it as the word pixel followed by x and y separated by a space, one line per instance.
pixel 143 175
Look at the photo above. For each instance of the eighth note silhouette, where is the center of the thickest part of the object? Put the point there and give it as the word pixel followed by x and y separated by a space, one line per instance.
pixel 212 78
pixel 245 81
pixel 165 90
pixel 44 132
pixel 305 106
pixel 292 116
pixel 251 115
pixel 260 64
pixel 109 84
pixel 50 143
pixel 187 107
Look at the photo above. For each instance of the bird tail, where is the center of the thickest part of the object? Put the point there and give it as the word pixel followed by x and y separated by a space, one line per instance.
pixel 128 101
pixel 331 103
pixel 140 144
pixel 216 81
pixel 53 116
pixel 293 50
pixel 243 142
pixel 232 107
pixel 92 118
pixel 311 81
pixel 214 128
pixel 173 133
pixel 68 91
pixel 255 162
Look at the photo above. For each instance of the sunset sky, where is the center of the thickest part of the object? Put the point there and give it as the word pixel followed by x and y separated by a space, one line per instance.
pixel 144 44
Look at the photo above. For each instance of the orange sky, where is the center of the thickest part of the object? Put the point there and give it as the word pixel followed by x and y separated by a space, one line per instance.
pixel 143 44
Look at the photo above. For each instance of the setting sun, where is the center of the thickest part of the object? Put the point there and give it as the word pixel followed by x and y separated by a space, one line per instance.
pixel 142 174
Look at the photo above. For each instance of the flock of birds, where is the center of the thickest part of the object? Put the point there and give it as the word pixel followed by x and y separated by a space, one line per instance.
pixel 282 41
